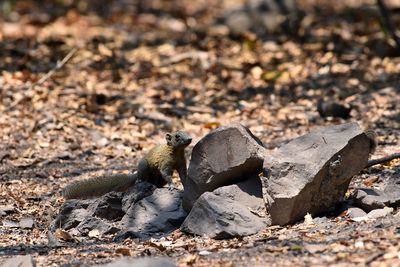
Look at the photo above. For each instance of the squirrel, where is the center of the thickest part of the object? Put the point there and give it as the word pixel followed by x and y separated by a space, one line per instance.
pixel 156 167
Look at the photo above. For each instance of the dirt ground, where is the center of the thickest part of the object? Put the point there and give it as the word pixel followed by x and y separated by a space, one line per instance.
pixel 87 88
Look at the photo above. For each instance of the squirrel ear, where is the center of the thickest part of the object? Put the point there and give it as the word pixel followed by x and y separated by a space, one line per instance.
pixel 168 137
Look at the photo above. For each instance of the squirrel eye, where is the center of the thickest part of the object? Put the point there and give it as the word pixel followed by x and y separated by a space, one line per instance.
pixel 177 137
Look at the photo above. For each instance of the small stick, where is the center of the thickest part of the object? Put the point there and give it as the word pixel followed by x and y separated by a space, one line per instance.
pixel 382 160
pixel 58 66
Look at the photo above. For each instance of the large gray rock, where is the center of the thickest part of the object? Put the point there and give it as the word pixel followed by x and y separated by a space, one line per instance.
pixel 229 211
pixel 223 157
pixel 160 212
pixel 143 211
pixel 311 173
pixel 143 262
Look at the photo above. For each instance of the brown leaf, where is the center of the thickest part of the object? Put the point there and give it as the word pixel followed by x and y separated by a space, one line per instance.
pixel 105 51
pixel 123 251
pixel 64 235
pixel 212 125
pixel 188 260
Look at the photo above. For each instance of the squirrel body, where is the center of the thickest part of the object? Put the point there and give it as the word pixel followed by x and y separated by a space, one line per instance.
pixel 156 167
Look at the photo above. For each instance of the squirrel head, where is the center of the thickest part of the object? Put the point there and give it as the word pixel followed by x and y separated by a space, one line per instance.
pixel 178 139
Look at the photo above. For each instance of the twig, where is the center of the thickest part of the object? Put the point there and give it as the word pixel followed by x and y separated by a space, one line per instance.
pixel 203 57
pixel 388 22
pixel 382 160
pixel 58 66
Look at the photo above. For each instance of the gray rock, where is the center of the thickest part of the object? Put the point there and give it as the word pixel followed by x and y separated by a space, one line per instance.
pixel 4 210
pixel 369 199
pixel 20 261
pixel 108 206
pixel 263 17
pixel 356 213
pixel 136 193
pixel 311 173
pixel 379 213
pixel 223 157
pixel 143 262
pixel 161 212
pixel 91 223
pixel 148 212
pixel 229 211
pixel 72 213
pixel 392 190
pixel 238 22
pixel 26 223
pixel 75 211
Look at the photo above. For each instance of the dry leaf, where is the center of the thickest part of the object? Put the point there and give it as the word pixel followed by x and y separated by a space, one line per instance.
pixel 94 233
pixel 64 235
pixel 105 51
pixel 188 260
pixel 212 125
pixel 260 212
pixel 308 220
pixel 123 251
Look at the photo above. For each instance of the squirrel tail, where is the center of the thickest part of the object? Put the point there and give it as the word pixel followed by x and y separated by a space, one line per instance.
pixel 98 186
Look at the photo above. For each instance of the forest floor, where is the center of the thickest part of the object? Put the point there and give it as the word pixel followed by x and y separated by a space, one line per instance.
pixel 88 88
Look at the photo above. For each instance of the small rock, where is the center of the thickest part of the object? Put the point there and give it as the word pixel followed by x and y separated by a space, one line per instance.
pixel 239 22
pixel 225 156
pixel 52 240
pixel 4 210
pixel 369 199
pixel 20 261
pixel 143 262
pixel 26 223
pixel 378 213
pixel 314 170
pixel 392 190
pixel 66 155
pixel 10 224
pixel 205 253
pixel 355 213
pixel 91 223
pixel 315 248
